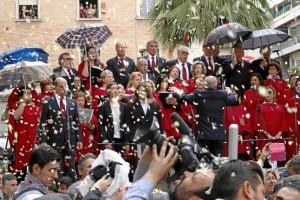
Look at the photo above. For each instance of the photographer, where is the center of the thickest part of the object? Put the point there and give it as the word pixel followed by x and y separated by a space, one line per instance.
pixel 159 165
pixel 192 185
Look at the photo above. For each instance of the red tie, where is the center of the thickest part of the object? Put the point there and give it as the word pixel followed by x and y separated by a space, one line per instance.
pixel 69 72
pixel 153 64
pixel 62 107
pixel 184 74
pixel 122 62
pixel 211 66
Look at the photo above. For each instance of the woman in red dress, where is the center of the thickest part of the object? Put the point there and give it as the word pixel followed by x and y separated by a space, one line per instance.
pixel 134 80
pixel 272 124
pixel 89 129
pixel 293 118
pixel 278 83
pixel 198 68
pixel 89 60
pixel 47 90
pixel 236 114
pixel 23 127
pixel 100 95
pixel 252 98
pixel 180 86
pixel 170 104
pixel 151 87
pixel 199 82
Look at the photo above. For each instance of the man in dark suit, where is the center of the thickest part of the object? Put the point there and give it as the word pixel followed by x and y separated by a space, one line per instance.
pixel 142 66
pixel 211 62
pixel 237 71
pixel 66 70
pixel 181 63
pixel 261 65
pixel 155 63
pixel 60 127
pixel 210 105
pixel 121 66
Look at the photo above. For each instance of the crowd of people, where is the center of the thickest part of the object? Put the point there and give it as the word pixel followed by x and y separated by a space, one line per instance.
pixel 82 111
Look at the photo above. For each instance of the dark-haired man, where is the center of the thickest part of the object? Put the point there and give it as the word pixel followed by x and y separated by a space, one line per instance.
pixel 238 180
pixel 43 170
pixel 155 63
pixel 66 70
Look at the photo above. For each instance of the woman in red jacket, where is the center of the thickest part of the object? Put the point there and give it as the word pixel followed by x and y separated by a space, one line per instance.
pixel 23 122
pixel 90 60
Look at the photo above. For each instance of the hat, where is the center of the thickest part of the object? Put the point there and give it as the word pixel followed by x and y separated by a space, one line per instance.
pixel 56 196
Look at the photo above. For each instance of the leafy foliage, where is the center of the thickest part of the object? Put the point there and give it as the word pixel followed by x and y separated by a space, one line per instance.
pixel 181 22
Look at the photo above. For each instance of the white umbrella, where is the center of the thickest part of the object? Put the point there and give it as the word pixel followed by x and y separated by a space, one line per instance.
pixel 24 72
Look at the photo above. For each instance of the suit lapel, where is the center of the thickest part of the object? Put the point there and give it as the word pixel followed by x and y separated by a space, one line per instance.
pixel 54 103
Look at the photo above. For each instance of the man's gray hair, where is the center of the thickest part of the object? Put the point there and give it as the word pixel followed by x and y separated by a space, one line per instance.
pixel 211 82
pixel 151 42
pixel 180 48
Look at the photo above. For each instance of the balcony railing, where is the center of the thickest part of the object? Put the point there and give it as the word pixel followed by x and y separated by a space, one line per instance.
pixel 294 40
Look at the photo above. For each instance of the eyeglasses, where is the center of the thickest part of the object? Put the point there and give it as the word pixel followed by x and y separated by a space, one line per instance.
pixel 69 59
pixel 185 53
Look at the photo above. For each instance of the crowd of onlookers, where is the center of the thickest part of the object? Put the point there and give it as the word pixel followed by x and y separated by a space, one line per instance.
pixel 81 111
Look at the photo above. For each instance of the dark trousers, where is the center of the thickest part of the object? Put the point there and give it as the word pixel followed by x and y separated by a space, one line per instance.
pixel 216 147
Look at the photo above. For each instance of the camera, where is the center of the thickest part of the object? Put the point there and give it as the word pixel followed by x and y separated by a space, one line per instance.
pixel 191 154
pixel 99 171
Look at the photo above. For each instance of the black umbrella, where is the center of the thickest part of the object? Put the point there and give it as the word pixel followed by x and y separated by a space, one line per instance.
pixel 226 33
pixel 264 37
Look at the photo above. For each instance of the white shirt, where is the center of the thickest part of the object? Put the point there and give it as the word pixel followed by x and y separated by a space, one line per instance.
pixel 115 110
pixel 186 68
pixel 58 101
pixel 144 105
pixel 150 59
pixel 211 59
pixel 66 71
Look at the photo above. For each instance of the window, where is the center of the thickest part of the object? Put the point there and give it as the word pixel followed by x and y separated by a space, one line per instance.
pixel 28 10
pixel 88 9
pixel 143 7
pixel 282 8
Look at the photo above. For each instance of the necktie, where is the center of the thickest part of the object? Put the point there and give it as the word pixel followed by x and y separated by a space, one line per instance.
pixel 122 62
pixel 211 66
pixel 62 107
pixel 153 64
pixel 69 72
pixel 240 66
pixel 184 74
pixel 144 77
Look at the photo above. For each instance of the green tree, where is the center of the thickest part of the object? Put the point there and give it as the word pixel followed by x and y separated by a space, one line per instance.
pixel 175 22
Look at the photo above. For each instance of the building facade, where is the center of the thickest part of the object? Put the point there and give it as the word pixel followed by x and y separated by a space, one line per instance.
pixel 38 23
pixel 287 19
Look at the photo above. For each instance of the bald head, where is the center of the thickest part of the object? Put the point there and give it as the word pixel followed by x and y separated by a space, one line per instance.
pixel 211 82
pixel 60 86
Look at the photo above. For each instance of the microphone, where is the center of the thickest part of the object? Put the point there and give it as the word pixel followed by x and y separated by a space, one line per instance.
pixel 182 127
